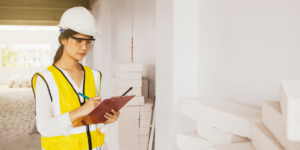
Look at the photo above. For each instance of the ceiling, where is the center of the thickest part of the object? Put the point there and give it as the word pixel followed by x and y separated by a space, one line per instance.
pixel 37 12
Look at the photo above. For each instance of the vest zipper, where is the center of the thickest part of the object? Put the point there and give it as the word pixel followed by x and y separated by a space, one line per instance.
pixel 87 127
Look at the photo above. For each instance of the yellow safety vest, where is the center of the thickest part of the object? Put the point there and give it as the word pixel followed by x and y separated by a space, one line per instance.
pixel 65 99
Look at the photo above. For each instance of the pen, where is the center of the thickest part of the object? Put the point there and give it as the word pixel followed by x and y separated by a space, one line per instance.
pixel 127 91
pixel 83 95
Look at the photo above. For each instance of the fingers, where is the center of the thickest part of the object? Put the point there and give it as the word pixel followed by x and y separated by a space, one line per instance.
pixel 114 112
pixel 109 115
pixel 96 98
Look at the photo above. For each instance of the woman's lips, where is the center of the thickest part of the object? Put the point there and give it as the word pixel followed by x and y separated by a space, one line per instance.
pixel 82 54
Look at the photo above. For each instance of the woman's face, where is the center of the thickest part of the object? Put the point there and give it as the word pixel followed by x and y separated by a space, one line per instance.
pixel 77 46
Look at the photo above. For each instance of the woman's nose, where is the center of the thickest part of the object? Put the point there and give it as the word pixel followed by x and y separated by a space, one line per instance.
pixel 83 46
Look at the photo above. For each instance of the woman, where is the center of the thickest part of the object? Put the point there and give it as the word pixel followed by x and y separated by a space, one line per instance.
pixel 58 105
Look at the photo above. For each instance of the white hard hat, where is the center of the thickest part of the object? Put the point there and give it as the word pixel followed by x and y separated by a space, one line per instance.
pixel 80 20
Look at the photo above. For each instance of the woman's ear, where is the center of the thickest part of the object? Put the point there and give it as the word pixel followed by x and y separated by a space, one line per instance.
pixel 63 41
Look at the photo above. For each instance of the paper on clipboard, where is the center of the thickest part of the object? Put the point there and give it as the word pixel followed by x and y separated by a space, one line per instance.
pixel 105 106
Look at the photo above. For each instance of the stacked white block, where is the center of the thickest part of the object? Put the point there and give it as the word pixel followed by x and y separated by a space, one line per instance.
pixel 145 121
pixel 217 136
pixel 192 141
pixel 224 115
pixel 263 139
pixel 290 106
pixel 236 146
pixel 135 118
pixel 273 120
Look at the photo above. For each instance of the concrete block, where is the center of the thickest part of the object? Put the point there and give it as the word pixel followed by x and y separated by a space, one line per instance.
pixel 147 106
pixel 128 67
pixel 273 120
pixel 128 75
pixel 121 91
pixel 129 124
pixel 263 139
pixel 145 87
pixel 192 141
pixel 129 116
pixel 145 115
pixel 290 107
pixel 129 83
pixel 144 138
pixel 145 123
pixel 129 140
pixel 143 146
pixel 129 132
pixel 129 147
pixel 137 100
pixel 113 80
pixel 236 146
pixel 144 130
pixel 227 116
pixel 217 136
pixel 127 109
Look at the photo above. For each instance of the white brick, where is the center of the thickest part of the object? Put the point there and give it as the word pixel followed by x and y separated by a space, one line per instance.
pixel 273 120
pixel 290 106
pixel 129 147
pixel 217 136
pixel 126 109
pixel 129 139
pixel 263 139
pixel 145 115
pixel 129 83
pixel 145 87
pixel 143 146
pixel 128 66
pixel 144 138
pixel 145 123
pixel 121 91
pixel 192 141
pixel 148 105
pixel 113 80
pixel 137 100
pixel 144 130
pixel 128 75
pixel 236 146
pixel 129 116
pixel 128 124
pixel 129 132
pixel 224 115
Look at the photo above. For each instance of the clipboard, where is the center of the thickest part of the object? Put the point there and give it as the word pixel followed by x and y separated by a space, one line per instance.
pixel 105 106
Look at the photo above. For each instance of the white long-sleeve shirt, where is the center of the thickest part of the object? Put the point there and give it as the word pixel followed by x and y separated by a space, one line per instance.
pixel 48 124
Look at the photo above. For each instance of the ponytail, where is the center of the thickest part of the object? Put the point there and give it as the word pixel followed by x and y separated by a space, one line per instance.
pixel 65 34
pixel 59 53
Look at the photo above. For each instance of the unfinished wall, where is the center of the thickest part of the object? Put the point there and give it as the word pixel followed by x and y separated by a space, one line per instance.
pixel 246 47
pixel 143 35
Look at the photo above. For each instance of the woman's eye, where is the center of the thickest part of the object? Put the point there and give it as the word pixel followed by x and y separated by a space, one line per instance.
pixel 78 40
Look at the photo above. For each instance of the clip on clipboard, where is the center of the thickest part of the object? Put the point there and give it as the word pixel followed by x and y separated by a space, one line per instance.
pixel 105 106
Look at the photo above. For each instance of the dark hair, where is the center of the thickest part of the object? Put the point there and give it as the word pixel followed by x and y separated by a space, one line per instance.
pixel 65 35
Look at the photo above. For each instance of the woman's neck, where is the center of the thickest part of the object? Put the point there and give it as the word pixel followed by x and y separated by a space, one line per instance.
pixel 68 63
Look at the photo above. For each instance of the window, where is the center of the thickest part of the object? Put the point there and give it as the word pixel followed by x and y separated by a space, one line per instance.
pixel 26 55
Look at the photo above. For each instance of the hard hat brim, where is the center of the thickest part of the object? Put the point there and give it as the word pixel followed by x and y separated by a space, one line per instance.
pixel 85 32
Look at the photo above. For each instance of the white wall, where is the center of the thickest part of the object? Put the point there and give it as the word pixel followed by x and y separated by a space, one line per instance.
pixel 247 47
pixel 177 67
pixel 143 35
pixel 26 37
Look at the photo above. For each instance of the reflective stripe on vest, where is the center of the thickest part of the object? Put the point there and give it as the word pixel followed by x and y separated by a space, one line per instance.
pixel 65 99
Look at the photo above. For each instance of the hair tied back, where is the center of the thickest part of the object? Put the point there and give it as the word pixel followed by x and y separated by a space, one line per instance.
pixel 62 31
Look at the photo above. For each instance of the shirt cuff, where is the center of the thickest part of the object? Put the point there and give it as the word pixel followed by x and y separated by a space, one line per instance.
pixel 102 127
pixel 65 123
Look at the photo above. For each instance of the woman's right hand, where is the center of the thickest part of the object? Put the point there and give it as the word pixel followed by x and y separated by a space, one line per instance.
pixel 85 108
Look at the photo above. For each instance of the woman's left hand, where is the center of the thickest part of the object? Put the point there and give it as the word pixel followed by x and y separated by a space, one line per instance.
pixel 111 118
